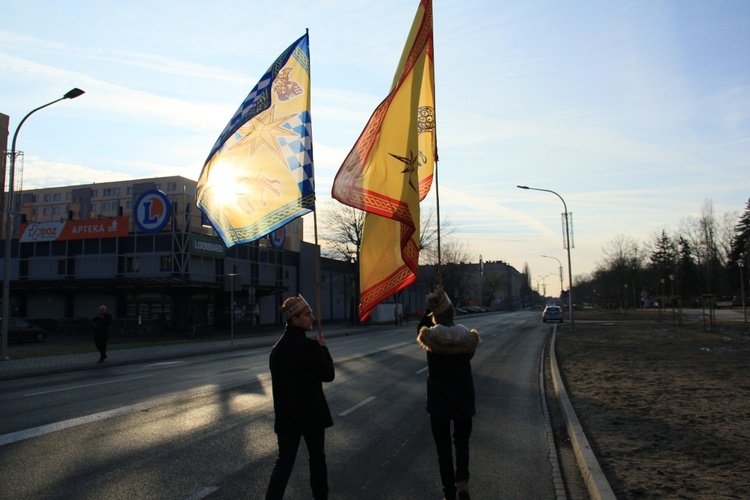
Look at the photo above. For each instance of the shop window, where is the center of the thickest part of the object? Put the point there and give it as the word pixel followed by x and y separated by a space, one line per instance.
pixel 91 246
pixel 166 263
pixel 23 269
pixel 134 264
pixel 109 245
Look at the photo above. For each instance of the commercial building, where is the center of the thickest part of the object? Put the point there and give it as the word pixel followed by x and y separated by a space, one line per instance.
pixel 142 249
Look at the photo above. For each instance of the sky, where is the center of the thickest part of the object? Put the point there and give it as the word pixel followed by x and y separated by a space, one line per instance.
pixel 636 113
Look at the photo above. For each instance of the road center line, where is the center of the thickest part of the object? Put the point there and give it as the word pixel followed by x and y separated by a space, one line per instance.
pixel 355 407
pixel 74 387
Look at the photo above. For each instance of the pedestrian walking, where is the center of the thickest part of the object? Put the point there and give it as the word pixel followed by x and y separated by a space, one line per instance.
pixel 102 322
pixel 450 389
pixel 299 366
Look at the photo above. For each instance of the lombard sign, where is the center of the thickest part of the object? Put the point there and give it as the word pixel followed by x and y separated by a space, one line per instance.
pixel 74 230
pixel 206 246
pixel 152 211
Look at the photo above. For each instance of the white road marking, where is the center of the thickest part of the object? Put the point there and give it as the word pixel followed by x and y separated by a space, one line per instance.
pixel 66 424
pixel 166 363
pixel 203 493
pixel 125 410
pixel 74 387
pixel 421 371
pixel 355 407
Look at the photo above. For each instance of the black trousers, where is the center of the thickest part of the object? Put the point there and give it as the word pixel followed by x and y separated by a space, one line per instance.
pixel 441 432
pixel 100 341
pixel 288 446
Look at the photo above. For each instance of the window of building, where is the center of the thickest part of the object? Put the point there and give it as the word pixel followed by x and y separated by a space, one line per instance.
pixel 94 193
pixel 61 267
pixel 35 198
pixel 171 186
pixel 91 246
pixel 55 210
pixel 166 263
pixel 59 247
pixel 116 191
pixel 56 197
pixel 109 245
pixel 107 192
pixel 134 264
pixel 47 197
pixel 69 195
pixel 129 190
pixel 109 206
pixel 94 207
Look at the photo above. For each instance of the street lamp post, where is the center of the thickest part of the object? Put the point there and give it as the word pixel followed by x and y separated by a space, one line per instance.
pixel 671 294
pixel 741 265
pixel 661 299
pixel 231 277
pixel 561 270
pixel 544 285
pixel 567 245
pixel 71 94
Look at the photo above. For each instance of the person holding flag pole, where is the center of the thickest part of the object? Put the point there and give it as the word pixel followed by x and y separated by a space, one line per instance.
pixel 299 366
pixel 257 178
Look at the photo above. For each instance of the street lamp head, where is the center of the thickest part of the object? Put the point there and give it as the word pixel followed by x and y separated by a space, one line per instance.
pixel 522 187
pixel 72 94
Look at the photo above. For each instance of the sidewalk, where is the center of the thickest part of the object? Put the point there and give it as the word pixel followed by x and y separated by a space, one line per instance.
pixel 45 365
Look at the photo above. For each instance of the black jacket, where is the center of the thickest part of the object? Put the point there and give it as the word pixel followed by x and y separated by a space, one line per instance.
pixel 299 366
pixel 450 385
pixel 102 323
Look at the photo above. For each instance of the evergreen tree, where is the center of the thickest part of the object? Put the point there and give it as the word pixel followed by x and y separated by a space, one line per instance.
pixel 741 241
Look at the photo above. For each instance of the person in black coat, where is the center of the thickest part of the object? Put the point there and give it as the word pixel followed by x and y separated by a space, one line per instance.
pixel 299 366
pixel 450 389
pixel 102 322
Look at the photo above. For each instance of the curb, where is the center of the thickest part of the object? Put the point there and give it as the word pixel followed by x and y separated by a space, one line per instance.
pixel 595 480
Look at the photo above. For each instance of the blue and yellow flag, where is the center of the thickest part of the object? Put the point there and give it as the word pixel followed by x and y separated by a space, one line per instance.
pixel 390 169
pixel 259 174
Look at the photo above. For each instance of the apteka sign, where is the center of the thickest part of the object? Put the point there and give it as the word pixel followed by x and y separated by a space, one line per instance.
pixel 74 229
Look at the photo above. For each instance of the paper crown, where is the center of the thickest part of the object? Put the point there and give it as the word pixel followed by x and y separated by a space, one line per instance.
pixel 438 301
pixel 293 306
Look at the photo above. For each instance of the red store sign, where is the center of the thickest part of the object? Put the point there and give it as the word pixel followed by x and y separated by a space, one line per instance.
pixel 74 229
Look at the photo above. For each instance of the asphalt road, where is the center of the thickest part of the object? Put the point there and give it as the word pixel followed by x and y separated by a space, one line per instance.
pixel 202 427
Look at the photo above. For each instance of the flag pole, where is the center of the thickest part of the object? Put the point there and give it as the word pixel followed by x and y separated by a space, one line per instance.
pixel 437 204
pixel 317 273
pixel 317 245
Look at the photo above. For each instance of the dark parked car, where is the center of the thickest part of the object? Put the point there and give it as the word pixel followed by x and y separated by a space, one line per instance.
pixel 21 330
pixel 552 313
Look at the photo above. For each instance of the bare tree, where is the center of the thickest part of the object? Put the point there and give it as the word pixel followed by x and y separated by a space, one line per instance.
pixel 341 231
pixel 450 270
pixel 493 285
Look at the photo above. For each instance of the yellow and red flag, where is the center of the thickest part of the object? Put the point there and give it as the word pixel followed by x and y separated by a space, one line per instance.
pixel 259 174
pixel 390 168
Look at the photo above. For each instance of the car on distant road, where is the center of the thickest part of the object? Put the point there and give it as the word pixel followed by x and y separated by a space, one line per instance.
pixel 552 313
pixel 22 330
